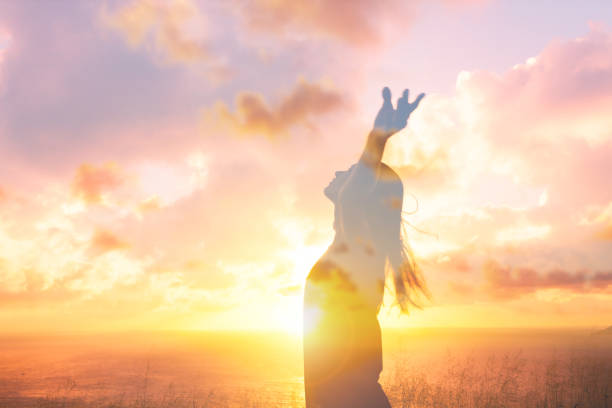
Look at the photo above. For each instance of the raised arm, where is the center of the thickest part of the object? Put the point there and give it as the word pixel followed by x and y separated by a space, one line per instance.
pixel 388 122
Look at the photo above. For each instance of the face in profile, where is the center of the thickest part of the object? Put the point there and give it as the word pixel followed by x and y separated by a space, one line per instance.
pixel 334 186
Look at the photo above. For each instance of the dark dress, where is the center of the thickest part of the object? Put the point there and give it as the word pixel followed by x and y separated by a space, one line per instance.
pixel 343 293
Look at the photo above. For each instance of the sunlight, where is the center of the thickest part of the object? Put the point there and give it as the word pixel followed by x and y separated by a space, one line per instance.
pixel 291 321
pixel 312 315
pixel 304 257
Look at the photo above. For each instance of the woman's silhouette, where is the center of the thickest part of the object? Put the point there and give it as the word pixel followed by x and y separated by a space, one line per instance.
pixel 344 290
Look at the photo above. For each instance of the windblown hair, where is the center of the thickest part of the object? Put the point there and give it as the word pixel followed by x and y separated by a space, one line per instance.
pixel 388 226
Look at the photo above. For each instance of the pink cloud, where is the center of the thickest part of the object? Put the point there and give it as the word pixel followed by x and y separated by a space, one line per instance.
pixel 359 23
pixel 548 120
pixel 91 182
pixel 520 175
pixel 557 99
pixel 149 204
pixel 544 124
pixel 165 22
pixel 105 241
pixel 176 30
pixel 254 115
pixel 605 234
pixel 503 282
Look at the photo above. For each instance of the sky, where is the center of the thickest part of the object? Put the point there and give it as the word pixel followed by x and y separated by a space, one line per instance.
pixel 162 163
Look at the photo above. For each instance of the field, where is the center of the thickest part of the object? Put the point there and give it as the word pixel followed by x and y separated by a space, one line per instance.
pixel 423 368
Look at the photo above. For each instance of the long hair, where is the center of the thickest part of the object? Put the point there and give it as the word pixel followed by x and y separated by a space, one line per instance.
pixel 385 219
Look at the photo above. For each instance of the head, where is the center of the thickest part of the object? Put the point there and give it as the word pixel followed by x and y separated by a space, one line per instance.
pixel 333 188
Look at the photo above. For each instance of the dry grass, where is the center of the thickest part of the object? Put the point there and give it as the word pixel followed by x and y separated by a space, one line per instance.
pixel 475 376
pixel 573 380
pixel 508 381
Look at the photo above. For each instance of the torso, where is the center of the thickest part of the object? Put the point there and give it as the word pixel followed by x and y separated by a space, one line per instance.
pixel 355 269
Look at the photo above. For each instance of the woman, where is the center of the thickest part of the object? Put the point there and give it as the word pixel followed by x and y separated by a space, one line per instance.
pixel 344 290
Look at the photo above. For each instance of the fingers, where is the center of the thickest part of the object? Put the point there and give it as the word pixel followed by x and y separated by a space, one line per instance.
pixel 402 102
pixel 385 114
pixel 416 102
pixel 386 93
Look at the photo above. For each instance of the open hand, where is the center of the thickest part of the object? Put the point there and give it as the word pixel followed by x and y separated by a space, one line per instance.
pixel 390 121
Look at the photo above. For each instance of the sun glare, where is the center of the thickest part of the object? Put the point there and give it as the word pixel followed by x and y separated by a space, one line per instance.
pixel 312 315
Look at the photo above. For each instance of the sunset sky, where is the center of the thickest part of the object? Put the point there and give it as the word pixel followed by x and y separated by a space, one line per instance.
pixel 162 163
